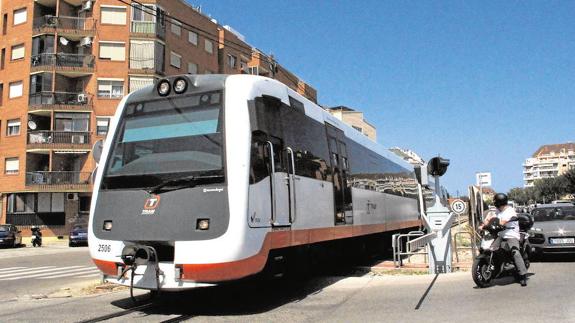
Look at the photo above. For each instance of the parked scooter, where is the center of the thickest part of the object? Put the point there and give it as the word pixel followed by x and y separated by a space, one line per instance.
pixel 490 264
pixel 36 236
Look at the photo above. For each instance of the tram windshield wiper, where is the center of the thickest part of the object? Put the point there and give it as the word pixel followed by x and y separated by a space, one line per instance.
pixel 180 183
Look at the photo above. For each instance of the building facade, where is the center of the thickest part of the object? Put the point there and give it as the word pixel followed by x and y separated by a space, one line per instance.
pixel 547 162
pixel 408 155
pixel 354 119
pixel 64 67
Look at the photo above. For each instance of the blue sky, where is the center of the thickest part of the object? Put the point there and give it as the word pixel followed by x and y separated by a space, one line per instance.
pixel 483 83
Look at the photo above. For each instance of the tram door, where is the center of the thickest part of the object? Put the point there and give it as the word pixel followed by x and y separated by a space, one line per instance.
pixel 282 184
pixel 340 170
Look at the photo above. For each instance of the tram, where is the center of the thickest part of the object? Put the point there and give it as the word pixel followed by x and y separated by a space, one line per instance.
pixel 203 179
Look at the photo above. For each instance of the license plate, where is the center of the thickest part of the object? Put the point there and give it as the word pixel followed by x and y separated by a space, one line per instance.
pixel 562 240
pixel 82 234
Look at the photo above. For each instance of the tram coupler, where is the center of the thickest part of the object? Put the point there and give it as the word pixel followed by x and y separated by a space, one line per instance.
pixel 139 255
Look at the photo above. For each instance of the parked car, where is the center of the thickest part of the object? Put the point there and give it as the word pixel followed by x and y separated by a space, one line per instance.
pixel 10 235
pixel 78 236
pixel 553 229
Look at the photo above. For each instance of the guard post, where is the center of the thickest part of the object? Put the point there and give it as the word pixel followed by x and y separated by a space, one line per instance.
pixel 438 221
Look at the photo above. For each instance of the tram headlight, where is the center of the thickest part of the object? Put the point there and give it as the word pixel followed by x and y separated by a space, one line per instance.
pixel 164 88
pixel 203 224
pixel 107 225
pixel 180 85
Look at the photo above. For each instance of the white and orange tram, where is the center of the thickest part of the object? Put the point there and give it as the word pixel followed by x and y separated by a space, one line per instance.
pixel 202 177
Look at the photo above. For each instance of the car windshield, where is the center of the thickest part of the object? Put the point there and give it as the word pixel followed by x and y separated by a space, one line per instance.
pixel 167 138
pixel 554 213
pixel 79 228
pixel 3 228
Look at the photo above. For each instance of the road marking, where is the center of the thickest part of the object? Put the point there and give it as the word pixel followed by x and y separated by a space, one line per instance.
pixel 20 271
pixel 10 268
pixel 34 271
pixel 96 272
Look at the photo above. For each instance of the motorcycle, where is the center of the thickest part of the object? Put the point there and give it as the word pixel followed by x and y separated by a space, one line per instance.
pixel 493 263
pixel 36 237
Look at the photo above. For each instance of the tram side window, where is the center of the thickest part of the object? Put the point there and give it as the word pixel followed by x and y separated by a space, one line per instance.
pixel 308 165
pixel 259 168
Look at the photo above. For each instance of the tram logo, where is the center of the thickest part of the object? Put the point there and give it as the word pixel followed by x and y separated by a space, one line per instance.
pixel 151 204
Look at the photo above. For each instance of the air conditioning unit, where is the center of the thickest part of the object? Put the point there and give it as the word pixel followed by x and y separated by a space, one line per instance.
pixel 86 41
pixel 72 196
pixel 78 139
pixel 87 5
pixel 82 98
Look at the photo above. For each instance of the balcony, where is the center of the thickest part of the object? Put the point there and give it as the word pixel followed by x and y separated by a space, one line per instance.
pixel 60 101
pixel 60 179
pixel 67 64
pixel 148 29
pixel 42 139
pixel 71 27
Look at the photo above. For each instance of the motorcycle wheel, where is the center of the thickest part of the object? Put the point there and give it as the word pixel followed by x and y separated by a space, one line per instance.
pixel 481 276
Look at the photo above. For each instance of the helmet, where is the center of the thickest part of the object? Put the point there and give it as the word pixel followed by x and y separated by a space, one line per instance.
pixel 499 200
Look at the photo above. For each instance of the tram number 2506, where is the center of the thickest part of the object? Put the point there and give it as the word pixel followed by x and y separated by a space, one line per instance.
pixel 104 248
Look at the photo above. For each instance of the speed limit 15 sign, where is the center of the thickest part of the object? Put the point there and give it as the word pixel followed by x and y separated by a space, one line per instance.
pixel 458 206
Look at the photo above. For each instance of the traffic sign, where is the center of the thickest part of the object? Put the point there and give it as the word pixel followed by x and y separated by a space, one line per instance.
pixel 458 206
pixel 483 179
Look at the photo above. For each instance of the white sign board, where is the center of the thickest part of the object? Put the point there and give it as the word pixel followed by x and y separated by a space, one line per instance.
pixel 458 206
pixel 483 179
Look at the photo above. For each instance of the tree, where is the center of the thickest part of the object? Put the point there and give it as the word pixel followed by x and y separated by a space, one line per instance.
pixel 519 195
pixel 570 181
pixel 549 189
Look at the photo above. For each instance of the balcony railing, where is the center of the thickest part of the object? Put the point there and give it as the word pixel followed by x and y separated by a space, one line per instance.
pixel 64 23
pixel 58 138
pixel 63 60
pixel 64 100
pixel 57 178
pixel 148 28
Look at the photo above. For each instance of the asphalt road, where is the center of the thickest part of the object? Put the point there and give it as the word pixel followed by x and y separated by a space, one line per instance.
pixel 27 271
pixel 333 297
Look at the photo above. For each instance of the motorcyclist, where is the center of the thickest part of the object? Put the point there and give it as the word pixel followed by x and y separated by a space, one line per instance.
pixel 510 236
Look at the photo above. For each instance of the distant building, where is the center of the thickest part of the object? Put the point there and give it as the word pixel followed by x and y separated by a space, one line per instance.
pixel 354 119
pixel 408 155
pixel 548 161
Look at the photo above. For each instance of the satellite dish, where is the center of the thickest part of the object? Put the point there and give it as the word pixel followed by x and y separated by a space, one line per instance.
pixel 32 125
pixel 64 41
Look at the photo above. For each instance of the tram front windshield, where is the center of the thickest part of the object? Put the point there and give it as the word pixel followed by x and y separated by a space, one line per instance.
pixel 167 139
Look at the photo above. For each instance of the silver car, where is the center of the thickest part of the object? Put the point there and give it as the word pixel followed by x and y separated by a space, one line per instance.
pixel 553 230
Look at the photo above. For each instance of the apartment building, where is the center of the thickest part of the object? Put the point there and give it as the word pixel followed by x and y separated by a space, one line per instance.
pixel 408 155
pixel 64 67
pixel 354 119
pixel 548 161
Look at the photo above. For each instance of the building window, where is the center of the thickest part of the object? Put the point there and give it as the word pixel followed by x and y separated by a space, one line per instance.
pixel 192 68
pixel 209 46
pixel 232 61
pixel 13 127
pixel 102 125
pixel 18 52
pixel 69 121
pixel 15 89
pixel 113 15
pixel 11 165
pixel 175 60
pixel 113 51
pixel 137 83
pixel 244 66
pixel 112 89
pixel 176 27
pixel 142 54
pixel 20 16
pixel 357 128
pixel 1 93
pixel 193 37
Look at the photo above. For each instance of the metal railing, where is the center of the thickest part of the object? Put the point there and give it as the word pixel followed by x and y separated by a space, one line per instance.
pixel 148 27
pixel 59 98
pixel 57 178
pixel 63 60
pixel 59 137
pixel 397 245
pixel 66 23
